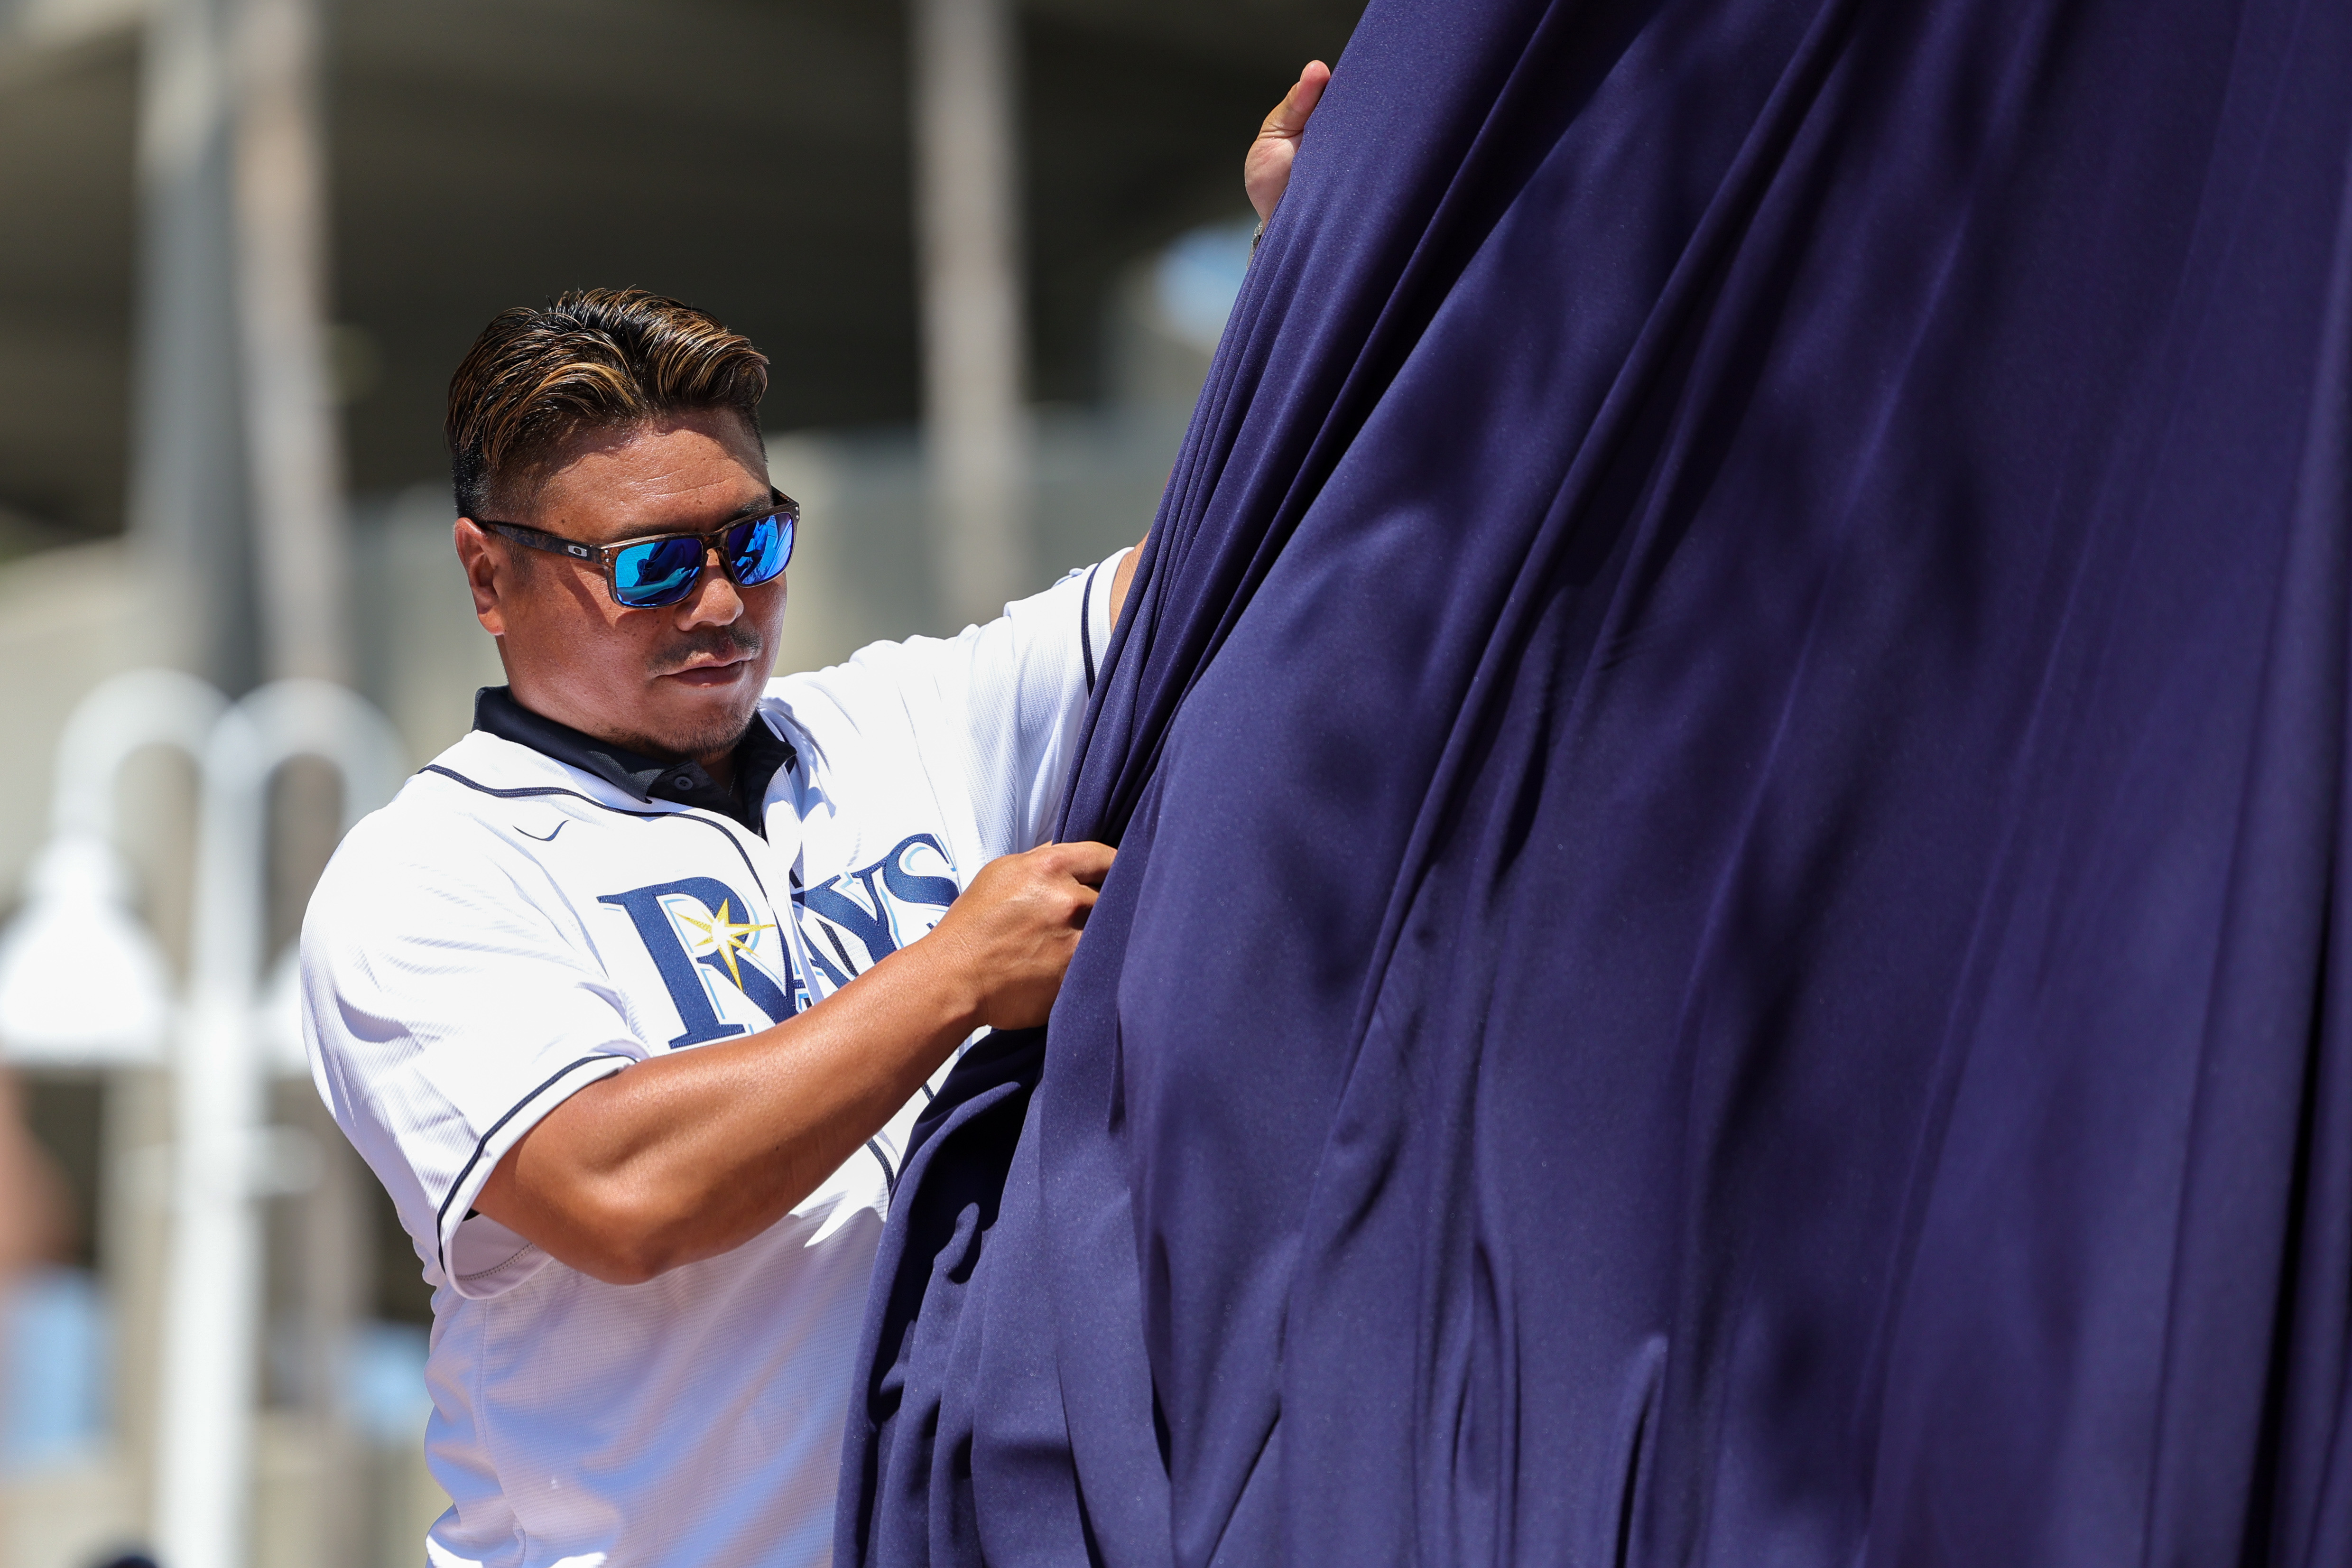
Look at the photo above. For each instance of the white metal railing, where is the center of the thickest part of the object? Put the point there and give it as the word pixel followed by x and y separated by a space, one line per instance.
pixel 81 982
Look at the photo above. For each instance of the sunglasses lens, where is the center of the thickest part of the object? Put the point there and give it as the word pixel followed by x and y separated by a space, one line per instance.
pixel 757 550
pixel 658 572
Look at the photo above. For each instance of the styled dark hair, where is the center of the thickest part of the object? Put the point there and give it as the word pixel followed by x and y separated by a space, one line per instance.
pixel 594 357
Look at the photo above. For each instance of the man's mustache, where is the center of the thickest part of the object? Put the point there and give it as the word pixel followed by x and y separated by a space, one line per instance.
pixel 718 645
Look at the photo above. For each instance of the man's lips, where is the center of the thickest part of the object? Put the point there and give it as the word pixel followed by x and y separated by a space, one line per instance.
pixel 702 675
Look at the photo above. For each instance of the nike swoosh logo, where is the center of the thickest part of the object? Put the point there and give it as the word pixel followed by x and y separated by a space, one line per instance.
pixel 560 826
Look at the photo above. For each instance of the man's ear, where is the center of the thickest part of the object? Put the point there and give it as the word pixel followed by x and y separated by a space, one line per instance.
pixel 489 572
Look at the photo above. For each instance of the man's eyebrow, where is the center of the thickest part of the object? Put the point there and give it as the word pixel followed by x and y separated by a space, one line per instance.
pixel 710 525
pixel 761 502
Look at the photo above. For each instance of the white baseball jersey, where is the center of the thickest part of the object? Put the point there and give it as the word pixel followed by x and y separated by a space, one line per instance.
pixel 531 914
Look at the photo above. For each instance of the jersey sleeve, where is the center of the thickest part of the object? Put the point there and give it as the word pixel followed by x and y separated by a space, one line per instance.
pixel 444 1016
pixel 995 712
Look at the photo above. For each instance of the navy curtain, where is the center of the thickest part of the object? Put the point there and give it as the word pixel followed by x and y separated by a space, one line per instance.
pixel 1729 940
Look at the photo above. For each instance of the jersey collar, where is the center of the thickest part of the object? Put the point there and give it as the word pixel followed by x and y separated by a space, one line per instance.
pixel 758 756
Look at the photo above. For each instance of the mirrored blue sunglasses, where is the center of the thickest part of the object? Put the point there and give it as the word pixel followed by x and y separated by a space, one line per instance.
pixel 663 568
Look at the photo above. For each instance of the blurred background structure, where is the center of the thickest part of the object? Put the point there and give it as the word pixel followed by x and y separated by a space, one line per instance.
pixel 989 245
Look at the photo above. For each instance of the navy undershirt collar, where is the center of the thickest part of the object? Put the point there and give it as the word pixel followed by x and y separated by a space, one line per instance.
pixel 758 756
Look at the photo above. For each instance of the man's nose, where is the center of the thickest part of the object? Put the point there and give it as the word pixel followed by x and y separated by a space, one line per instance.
pixel 714 601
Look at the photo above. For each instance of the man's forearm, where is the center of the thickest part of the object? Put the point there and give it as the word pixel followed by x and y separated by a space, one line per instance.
pixel 1124 575
pixel 689 1155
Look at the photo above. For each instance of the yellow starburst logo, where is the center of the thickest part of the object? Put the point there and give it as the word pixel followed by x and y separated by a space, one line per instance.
pixel 727 937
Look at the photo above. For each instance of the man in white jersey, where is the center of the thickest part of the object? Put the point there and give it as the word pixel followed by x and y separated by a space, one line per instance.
pixel 623 997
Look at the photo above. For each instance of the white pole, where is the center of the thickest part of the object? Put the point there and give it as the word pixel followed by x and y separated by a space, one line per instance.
pixel 187 490
pixel 290 427
pixel 302 582
pixel 213 1278
pixel 203 1481
pixel 975 415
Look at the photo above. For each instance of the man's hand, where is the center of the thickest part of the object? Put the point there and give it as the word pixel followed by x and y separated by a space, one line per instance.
pixel 1266 173
pixel 694 1153
pixel 1013 929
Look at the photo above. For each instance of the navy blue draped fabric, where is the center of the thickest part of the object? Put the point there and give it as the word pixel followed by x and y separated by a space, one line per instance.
pixel 1729 772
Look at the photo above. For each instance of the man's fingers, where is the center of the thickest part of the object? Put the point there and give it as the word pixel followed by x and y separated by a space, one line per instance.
pixel 1265 172
pixel 1085 861
pixel 1290 116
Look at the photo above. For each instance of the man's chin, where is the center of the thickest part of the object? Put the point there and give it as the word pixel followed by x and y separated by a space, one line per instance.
pixel 698 721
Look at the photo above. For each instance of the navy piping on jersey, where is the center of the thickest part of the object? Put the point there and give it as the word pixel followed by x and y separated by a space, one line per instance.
pixel 441 1215
pixel 890 1176
pixel 1086 624
pixel 683 814
pixel 834 938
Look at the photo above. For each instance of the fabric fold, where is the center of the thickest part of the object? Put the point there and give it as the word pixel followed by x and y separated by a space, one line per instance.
pixel 1729 766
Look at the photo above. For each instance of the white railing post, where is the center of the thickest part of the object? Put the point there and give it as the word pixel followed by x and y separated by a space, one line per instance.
pixel 213 1278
